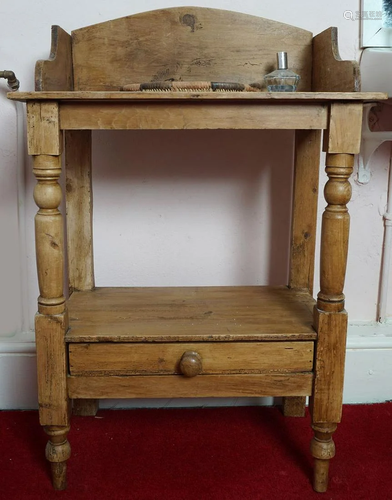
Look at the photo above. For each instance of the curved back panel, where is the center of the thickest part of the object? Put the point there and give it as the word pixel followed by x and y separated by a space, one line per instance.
pixel 189 44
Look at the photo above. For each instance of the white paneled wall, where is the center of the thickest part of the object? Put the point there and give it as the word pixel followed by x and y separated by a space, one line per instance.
pixel 190 208
pixel 10 278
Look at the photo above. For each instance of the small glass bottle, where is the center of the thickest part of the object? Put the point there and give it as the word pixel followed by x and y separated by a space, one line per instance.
pixel 282 79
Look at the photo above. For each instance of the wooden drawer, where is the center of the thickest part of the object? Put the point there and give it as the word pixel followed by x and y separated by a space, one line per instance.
pixel 98 359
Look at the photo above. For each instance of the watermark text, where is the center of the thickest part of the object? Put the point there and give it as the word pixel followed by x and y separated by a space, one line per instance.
pixel 362 15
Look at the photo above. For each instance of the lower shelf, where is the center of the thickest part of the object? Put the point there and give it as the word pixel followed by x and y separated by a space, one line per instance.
pixel 190 314
pixel 177 386
pixel 249 341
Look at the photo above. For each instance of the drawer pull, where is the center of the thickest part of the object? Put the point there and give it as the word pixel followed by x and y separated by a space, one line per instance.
pixel 190 364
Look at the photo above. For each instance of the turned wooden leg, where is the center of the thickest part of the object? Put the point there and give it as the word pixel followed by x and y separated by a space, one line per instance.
pixel 330 318
pixel 51 322
pixel 58 451
pixel 323 449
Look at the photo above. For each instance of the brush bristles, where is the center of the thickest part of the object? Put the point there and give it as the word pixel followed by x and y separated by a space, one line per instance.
pixel 190 87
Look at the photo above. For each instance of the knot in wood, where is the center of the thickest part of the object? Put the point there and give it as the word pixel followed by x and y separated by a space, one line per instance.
pixel 189 20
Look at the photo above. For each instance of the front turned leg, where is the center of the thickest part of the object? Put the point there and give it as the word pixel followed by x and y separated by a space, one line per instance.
pixel 322 448
pixel 330 318
pixel 51 322
pixel 58 451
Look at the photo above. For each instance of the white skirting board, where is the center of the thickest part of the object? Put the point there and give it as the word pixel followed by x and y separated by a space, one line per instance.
pixel 367 380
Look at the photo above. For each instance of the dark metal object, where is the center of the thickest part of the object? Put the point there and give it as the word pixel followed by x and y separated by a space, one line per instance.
pixel 12 81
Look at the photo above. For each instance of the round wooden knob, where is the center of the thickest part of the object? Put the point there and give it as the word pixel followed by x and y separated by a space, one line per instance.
pixel 190 364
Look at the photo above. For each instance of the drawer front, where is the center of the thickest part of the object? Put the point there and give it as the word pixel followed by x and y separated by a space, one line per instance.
pixel 190 359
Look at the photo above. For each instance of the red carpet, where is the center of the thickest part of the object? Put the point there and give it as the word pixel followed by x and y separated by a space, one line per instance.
pixel 188 454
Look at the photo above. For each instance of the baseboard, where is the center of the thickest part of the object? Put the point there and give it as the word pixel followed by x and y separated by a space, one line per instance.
pixel 367 380
pixel 368 371
pixel 18 374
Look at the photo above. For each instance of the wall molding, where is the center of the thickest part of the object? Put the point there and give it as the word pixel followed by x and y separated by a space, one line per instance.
pixel 21 343
pixel 370 335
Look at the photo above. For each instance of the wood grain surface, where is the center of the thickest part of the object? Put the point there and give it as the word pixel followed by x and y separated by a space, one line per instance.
pixel 329 72
pixel 345 128
pixel 190 314
pixel 54 408
pixel 178 386
pixel 56 73
pixel 79 209
pixel 327 397
pixel 304 213
pixel 186 43
pixel 218 357
pixel 294 406
pixel 181 96
pixel 192 115
pixel 44 136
